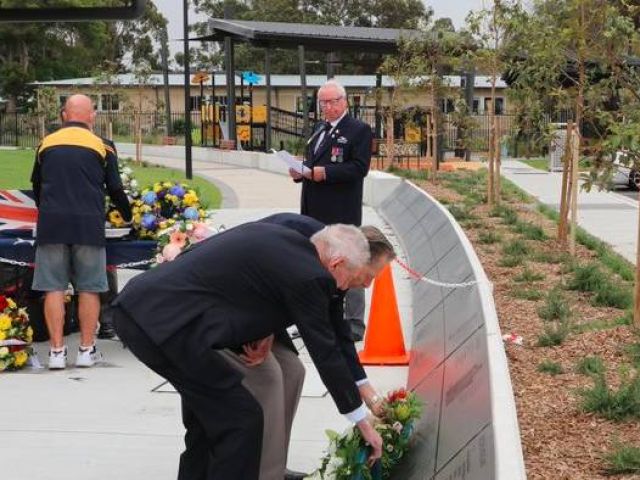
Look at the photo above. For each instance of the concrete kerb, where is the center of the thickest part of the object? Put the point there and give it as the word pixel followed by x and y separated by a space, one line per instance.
pixel 503 430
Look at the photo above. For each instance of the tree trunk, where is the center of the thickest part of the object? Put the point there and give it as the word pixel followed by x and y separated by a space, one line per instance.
pixel 389 137
pixel 498 162
pixel 434 129
pixel 564 196
pixel 636 290
pixel 575 158
pixel 491 178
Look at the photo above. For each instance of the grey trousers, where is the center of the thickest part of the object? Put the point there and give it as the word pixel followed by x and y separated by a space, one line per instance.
pixel 354 311
pixel 277 385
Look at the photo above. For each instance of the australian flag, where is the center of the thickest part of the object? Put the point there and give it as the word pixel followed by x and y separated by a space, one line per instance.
pixel 18 210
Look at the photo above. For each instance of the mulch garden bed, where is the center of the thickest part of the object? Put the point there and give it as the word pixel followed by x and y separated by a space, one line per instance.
pixel 560 440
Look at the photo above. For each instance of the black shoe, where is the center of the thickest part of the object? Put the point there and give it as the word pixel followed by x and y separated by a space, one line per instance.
pixel 107 332
pixel 293 475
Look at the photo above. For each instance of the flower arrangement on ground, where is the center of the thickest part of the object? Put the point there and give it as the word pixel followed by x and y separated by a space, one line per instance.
pixel 346 458
pixel 15 335
pixel 130 185
pixel 180 236
pixel 162 206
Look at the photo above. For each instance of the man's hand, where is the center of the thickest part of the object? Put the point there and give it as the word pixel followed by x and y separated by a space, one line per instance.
pixel 256 352
pixel 373 439
pixel 295 174
pixel 371 399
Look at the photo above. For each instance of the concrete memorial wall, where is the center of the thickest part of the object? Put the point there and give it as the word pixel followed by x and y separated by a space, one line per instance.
pixel 469 429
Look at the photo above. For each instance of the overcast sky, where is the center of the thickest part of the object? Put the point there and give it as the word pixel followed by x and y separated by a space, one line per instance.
pixel 172 9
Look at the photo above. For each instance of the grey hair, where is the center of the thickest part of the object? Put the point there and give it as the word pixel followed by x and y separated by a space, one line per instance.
pixel 334 84
pixel 344 241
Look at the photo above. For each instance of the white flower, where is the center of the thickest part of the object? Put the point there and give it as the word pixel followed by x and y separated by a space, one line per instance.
pixel 4 351
pixel 133 183
pixel 397 426
pixel 127 171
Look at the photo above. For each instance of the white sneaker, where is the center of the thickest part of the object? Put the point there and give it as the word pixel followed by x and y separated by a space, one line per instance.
pixel 58 359
pixel 88 357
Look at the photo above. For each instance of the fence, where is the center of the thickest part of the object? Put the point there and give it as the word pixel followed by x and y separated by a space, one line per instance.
pixel 25 129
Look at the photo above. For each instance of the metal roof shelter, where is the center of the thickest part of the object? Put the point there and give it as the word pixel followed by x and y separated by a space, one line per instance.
pixel 301 36
pixel 324 38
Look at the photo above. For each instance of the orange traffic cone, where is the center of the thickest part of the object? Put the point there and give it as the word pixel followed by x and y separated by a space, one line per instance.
pixel 383 341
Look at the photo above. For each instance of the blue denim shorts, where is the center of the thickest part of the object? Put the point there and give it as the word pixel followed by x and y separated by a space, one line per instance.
pixel 57 265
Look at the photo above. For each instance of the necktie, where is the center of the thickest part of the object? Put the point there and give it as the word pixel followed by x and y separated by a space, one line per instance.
pixel 323 133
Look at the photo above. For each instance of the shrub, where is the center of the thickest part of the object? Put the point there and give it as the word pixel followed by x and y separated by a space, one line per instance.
pixel 527 294
pixel 610 295
pixel 611 404
pixel 624 459
pixel 587 278
pixel 590 366
pixel 555 307
pixel 528 276
pixel 552 368
pixel 530 231
pixel 516 247
pixel 489 237
pixel 555 333
pixel 460 213
pixel 510 261
pixel 549 257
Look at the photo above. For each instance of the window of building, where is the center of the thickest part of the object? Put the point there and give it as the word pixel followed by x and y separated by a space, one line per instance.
pixel 476 106
pixel 109 103
pixel 499 109
pixel 195 103
pixel 446 105
pixel 300 104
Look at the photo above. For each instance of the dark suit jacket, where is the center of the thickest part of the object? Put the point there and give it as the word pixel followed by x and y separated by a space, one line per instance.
pixel 242 285
pixel 307 226
pixel 346 155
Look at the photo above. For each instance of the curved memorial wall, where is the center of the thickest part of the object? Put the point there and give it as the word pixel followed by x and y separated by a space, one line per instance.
pixel 469 429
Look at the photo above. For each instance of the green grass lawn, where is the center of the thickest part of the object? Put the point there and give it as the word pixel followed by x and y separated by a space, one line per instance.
pixel 16 165
pixel 543 163
pixel 539 163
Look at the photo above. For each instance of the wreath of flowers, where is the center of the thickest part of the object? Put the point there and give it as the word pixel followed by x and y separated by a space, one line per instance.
pixel 180 236
pixel 15 335
pixel 162 206
pixel 130 186
pixel 346 457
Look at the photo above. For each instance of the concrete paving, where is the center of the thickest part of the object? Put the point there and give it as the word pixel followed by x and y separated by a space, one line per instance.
pixel 118 420
pixel 609 216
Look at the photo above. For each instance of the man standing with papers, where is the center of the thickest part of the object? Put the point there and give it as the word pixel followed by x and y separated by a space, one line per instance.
pixel 338 155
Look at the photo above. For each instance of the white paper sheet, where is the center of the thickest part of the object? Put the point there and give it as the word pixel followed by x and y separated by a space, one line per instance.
pixel 291 161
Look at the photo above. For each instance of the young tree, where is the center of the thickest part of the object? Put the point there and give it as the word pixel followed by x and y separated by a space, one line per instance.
pixel 493 30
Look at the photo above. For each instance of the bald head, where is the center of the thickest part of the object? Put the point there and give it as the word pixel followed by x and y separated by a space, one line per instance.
pixel 79 108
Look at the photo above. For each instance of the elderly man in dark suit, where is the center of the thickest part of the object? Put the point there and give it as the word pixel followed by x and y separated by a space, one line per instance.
pixel 274 374
pixel 338 155
pixel 236 287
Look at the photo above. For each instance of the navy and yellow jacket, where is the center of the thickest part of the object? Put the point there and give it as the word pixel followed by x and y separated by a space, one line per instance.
pixel 71 170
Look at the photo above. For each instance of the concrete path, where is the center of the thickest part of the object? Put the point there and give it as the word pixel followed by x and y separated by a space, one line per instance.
pixel 608 216
pixel 120 420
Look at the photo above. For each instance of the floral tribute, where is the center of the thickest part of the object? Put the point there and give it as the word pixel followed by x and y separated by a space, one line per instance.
pixel 15 335
pixel 346 458
pixel 180 236
pixel 163 206
pixel 130 185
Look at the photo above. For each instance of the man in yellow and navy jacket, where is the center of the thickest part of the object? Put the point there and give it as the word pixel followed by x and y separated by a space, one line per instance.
pixel 71 170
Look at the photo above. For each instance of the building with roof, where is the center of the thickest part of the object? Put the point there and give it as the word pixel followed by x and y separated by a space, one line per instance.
pixel 125 91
